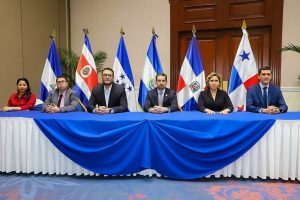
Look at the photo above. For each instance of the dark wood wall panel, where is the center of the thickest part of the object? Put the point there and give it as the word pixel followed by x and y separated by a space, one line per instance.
pixel 246 10
pixel 218 34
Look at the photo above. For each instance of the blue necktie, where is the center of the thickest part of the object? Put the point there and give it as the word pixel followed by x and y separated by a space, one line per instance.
pixel 265 97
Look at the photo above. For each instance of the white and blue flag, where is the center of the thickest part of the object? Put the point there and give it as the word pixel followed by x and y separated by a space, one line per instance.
pixel 51 71
pixel 152 67
pixel 243 73
pixel 123 74
pixel 191 80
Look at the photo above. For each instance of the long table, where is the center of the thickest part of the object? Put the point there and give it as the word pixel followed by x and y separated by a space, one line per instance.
pixel 183 145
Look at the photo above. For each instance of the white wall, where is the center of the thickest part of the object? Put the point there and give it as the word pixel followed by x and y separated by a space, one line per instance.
pixel 105 17
pixel 104 20
pixel 290 63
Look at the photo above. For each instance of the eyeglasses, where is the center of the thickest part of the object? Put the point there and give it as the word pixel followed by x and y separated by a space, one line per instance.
pixel 108 75
pixel 60 82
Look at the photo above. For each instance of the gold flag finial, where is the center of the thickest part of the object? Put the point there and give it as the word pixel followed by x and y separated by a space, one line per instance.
pixel 122 31
pixel 244 25
pixel 86 31
pixel 194 30
pixel 153 30
pixel 53 34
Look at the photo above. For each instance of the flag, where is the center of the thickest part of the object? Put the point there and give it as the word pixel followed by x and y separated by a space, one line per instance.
pixel 123 74
pixel 152 67
pixel 191 80
pixel 86 77
pixel 51 71
pixel 243 74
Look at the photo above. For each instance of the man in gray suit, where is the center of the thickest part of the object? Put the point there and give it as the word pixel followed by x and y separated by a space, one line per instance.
pixel 61 99
pixel 108 97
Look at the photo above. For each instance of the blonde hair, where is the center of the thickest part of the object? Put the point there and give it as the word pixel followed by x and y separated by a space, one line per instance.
pixel 212 75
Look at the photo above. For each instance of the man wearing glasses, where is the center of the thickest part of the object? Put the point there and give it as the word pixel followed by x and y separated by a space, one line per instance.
pixel 61 99
pixel 108 97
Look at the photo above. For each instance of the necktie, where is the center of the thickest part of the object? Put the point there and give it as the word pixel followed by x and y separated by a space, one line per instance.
pixel 265 97
pixel 59 100
pixel 160 98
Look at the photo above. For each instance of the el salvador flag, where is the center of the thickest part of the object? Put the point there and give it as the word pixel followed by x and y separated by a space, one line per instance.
pixel 123 74
pixel 152 67
pixel 243 74
pixel 86 77
pixel 51 71
pixel 191 80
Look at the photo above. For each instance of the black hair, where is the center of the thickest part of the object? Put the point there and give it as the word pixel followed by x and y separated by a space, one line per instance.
pixel 28 91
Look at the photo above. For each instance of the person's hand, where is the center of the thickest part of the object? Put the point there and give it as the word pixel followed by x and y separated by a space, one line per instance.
pixel 102 110
pixel 158 109
pixel 225 111
pixel 52 108
pixel 6 109
pixel 209 111
pixel 271 110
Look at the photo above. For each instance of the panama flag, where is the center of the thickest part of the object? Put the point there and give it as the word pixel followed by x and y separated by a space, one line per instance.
pixel 123 74
pixel 152 67
pixel 51 71
pixel 86 77
pixel 243 74
pixel 191 80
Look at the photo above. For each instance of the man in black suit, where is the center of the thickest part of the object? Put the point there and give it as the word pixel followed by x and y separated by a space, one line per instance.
pixel 265 97
pixel 108 97
pixel 161 99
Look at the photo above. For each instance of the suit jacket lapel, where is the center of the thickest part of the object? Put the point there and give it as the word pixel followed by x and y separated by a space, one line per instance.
pixel 259 92
pixel 102 95
pixel 155 97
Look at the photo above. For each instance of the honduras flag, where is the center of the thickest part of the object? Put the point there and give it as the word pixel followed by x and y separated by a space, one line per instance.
pixel 152 67
pixel 191 80
pixel 51 71
pixel 123 74
pixel 243 74
pixel 86 77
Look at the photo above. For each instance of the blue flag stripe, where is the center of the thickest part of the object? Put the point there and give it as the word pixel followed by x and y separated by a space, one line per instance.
pixel 153 55
pixel 194 58
pixel 235 80
pixel 124 60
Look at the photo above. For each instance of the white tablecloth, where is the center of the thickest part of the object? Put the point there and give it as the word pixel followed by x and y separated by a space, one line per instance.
pixel 25 149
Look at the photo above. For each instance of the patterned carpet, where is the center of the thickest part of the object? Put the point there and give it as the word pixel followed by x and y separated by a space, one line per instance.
pixel 15 186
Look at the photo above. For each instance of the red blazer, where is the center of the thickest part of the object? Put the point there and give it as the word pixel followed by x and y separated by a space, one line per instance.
pixel 15 101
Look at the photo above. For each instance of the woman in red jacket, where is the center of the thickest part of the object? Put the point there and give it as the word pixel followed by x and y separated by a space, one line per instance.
pixel 23 99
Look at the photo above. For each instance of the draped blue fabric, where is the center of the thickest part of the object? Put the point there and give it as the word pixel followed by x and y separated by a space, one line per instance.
pixel 183 145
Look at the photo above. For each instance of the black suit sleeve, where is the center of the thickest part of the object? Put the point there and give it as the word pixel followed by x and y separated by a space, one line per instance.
pixel 92 102
pixel 148 103
pixel 123 106
pixel 227 103
pixel 174 104
pixel 201 102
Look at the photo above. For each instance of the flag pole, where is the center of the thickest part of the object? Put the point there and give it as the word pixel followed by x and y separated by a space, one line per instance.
pixel 52 35
pixel 194 30
pixel 85 31
pixel 154 33
pixel 244 25
pixel 122 31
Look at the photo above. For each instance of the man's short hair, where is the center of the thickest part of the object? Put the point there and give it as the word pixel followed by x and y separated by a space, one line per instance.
pixel 161 74
pixel 109 69
pixel 62 76
pixel 264 68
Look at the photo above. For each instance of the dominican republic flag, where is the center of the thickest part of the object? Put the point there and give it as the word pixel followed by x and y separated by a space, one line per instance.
pixel 152 67
pixel 243 74
pixel 86 77
pixel 123 74
pixel 191 80
pixel 51 71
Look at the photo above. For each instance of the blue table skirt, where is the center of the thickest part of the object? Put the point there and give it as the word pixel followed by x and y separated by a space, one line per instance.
pixel 183 145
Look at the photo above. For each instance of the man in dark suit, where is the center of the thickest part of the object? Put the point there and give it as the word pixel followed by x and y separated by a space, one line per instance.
pixel 108 97
pixel 61 99
pixel 161 99
pixel 265 97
